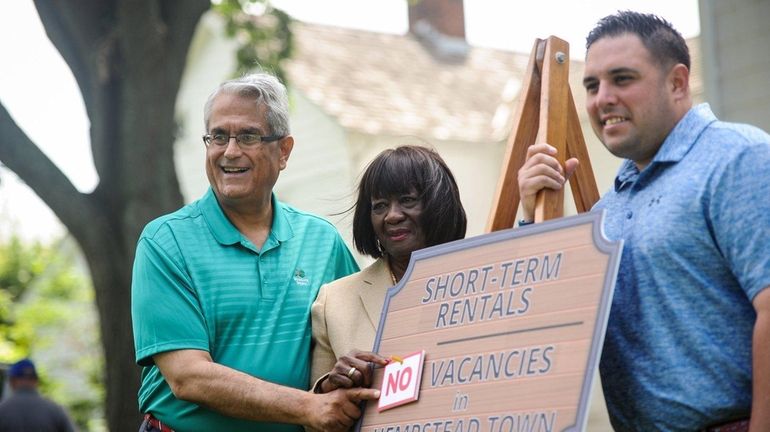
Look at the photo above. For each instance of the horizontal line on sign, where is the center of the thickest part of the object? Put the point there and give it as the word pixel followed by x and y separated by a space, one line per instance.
pixel 470 338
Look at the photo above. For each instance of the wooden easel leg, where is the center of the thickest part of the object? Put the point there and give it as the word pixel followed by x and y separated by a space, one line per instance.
pixel 546 113
pixel 553 121
pixel 526 121
pixel 583 182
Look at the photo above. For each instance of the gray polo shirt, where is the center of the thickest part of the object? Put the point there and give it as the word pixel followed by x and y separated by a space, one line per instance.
pixel 696 226
pixel 26 410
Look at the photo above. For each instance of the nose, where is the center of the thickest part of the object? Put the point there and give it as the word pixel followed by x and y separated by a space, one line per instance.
pixel 395 214
pixel 605 96
pixel 232 149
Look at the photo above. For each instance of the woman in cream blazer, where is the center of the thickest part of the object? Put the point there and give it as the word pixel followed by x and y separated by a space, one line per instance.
pixel 407 200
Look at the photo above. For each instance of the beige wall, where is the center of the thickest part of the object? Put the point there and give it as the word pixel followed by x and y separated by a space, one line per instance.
pixel 736 59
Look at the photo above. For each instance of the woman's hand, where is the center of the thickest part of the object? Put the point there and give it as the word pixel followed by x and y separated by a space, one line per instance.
pixel 354 369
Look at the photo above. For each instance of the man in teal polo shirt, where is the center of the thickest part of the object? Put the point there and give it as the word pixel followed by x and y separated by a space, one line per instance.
pixel 222 288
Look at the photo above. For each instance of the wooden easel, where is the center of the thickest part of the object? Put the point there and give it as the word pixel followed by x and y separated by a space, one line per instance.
pixel 546 113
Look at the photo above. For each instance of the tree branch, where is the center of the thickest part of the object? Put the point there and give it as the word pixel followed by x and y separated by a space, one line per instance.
pixel 143 36
pixel 23 157
pixel 157 33
pixel 182 17
pixel 72 32
pixel 86 37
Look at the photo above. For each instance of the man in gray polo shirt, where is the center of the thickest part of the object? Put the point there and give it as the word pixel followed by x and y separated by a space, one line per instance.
pixel 688 341
pixel 26 410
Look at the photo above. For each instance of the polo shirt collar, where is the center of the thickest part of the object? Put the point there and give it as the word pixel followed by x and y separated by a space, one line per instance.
pixel 281 230
pixel 675 146
pixel 627 173
pixel 685 133
pixel 227 234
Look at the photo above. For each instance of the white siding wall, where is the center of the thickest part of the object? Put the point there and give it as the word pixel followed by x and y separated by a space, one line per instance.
pixel 211 60
pixel 318 177
pixel 474 165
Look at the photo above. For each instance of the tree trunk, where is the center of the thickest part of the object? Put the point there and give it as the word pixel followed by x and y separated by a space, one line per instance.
pixel 111 273
pixel 127 57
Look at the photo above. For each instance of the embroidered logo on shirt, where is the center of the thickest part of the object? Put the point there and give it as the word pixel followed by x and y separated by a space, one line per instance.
pixel 299 277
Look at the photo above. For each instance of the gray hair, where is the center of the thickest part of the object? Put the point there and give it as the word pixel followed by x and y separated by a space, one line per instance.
pixel 265 89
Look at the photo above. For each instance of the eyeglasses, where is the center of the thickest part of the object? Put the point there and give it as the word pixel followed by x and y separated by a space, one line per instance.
pixel 243 140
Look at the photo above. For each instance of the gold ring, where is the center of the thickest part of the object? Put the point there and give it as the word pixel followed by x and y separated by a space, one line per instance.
pixel 351 372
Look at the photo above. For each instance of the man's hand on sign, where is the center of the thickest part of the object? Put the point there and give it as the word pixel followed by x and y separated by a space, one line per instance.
pixel 541 170
pixel 354 369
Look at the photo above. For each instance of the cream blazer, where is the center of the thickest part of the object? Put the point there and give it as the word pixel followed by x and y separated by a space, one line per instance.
pixel 346 315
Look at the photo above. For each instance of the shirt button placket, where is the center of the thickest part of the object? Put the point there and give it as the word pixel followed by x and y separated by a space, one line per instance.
pixel 627 219
pixel 260 279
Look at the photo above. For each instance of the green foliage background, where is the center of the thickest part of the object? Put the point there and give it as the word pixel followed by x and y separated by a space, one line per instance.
pixel 264 38
pixel 47 314
pixel 47 309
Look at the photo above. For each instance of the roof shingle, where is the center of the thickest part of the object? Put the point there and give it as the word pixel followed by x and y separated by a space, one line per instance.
pixel 378 83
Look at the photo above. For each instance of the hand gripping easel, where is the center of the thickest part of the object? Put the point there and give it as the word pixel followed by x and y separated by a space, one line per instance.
pixel 546 113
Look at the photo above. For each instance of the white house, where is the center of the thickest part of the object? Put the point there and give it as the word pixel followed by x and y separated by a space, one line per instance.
pixel 355 93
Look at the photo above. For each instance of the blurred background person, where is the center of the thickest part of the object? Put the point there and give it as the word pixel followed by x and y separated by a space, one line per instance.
pixel 407 200
pixel 25 410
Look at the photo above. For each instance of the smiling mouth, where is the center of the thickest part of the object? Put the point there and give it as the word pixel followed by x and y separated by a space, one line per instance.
pixel 229 170
pixel 398 235
pixel 613 121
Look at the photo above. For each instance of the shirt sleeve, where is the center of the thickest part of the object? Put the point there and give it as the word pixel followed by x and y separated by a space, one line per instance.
pixel 740 216
pixel 165 310
pixel 344 263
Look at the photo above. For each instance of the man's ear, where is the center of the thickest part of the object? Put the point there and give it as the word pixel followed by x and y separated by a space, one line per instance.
pixel 679 81
pixel 287 144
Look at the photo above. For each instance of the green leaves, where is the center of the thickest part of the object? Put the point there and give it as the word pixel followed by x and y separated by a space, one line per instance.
pixel 263 34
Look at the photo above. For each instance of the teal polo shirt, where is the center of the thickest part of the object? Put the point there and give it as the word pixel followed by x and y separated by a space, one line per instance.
pixel 198 283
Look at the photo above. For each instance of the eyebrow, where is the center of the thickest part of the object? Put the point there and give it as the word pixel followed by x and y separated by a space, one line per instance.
pixel 612 72
pixel 246 130
pixel 621 70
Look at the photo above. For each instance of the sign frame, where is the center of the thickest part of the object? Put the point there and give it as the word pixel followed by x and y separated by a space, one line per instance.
pixel 611 249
